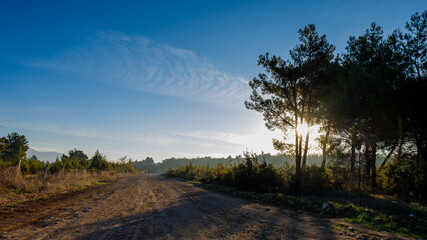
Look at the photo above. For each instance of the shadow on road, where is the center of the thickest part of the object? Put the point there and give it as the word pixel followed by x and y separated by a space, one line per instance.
pixel 203 215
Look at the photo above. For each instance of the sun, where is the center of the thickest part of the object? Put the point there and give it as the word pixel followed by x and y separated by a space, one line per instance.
pixel 303 129
pixel 315 132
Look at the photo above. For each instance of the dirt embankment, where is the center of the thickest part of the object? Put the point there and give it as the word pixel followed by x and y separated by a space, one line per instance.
pixel 153 207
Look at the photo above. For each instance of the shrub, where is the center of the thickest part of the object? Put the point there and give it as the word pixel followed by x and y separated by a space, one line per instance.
pixel 32 166
pixel 245 174
pixel 312 180
pixel 227 176
pixel 404 178
pixel 338 174
pixel 268 179
pixel 56 166
pixel 249 175
pixel 286 173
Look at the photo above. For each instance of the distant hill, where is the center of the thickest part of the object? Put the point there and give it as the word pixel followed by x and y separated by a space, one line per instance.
pixel 44 156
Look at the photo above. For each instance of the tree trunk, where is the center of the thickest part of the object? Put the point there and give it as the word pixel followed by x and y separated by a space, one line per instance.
pixel 352 166
pixel 367 162
pixel 300 149
pixel 374 163
pixel 297 159
pixel 359 170
pixel 324 146
pixel 307 136
pixel 388 155
pixel 399 150
pixel 301 120
pixel 304 158
pixel 323 165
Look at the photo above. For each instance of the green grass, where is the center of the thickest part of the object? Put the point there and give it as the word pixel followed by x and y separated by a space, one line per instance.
pixel 381 214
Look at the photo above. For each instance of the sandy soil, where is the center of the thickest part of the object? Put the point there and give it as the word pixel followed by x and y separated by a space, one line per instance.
pixel 153 207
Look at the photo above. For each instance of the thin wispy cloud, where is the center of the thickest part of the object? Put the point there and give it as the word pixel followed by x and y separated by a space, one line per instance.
pixel 150 138
pixel 142 64
pixel 208 135
pixel 256 140
pixel 43 149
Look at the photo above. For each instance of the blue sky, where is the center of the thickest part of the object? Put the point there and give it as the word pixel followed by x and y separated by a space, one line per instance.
pixel 160 78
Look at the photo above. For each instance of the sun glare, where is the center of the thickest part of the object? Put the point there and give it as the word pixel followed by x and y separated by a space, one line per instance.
pixel 314 130
pixel 303 129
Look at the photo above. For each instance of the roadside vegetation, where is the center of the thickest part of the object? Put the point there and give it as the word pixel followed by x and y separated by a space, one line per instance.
pixel 23 178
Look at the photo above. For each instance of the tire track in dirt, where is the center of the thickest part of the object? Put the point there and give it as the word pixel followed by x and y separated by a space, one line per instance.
pixel 154 207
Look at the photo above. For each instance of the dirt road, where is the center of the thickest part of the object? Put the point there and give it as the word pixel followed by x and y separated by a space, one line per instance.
pixel 153 207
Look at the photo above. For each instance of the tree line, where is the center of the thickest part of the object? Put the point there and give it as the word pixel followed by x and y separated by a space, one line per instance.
pixel 368 100
pixel 13 148
pixel 277 160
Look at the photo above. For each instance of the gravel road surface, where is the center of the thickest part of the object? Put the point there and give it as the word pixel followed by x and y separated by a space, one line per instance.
pixel 154 207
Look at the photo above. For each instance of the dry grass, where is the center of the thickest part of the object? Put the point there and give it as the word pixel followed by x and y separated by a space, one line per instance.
pixel 15 187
